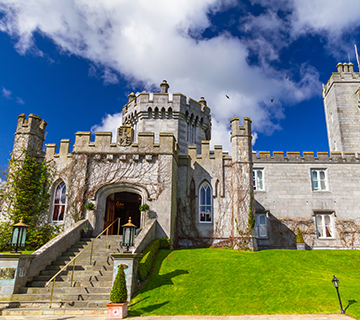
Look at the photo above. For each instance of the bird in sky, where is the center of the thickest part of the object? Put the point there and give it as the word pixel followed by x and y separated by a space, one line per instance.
pixel 227 96
pixel 272 100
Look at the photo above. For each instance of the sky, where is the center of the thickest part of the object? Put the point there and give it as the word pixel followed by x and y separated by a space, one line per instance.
pixel 74 62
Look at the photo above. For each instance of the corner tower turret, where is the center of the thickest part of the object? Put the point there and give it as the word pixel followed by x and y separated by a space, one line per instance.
pixel 190 122
pixel 342 109
pixel 29 136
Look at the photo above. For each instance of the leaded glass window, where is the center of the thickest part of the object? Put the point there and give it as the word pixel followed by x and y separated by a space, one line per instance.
pixel 59 203
pixel 205 203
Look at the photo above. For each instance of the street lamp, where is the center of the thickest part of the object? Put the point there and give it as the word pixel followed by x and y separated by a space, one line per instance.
pixel 128 235
pixel 335 282
pixel 18 235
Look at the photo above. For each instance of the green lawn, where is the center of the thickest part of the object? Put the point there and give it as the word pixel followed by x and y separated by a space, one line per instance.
pixel 225 281
pixel 19 251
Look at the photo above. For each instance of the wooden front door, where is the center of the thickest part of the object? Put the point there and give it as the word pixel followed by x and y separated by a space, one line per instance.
pixel 110 215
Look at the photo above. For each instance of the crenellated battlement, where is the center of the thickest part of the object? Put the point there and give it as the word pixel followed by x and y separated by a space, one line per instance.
pixel 33 125
pixel 205 152
pixel 296 157
pixel 345 73
pixel 103 146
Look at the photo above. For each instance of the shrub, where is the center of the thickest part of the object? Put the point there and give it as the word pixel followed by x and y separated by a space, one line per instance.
pixel 299 236
pixel 119 292
pixel 149 255
pixel 89 206
pixel 144 207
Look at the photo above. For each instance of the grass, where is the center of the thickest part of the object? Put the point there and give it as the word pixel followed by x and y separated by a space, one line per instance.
pixel 19 251
pixel 229 282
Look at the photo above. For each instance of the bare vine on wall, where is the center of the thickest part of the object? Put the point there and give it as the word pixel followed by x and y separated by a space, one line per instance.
pixel 86 173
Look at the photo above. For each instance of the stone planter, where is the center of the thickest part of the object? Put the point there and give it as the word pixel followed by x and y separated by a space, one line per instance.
pixel 117 310
pixel 86 233
pixel 300 246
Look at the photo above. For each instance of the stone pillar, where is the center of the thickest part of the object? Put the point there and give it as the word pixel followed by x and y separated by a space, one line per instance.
pixel 131 265
pixel 13 273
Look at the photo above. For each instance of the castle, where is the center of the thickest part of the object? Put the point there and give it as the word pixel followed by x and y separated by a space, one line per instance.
pixel 199 196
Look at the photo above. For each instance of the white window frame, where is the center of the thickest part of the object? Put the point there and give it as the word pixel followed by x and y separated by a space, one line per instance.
pixel 205 209
pixel 319 184
pixel 261 229
pixel 61 205
pixel 258 180
pixel 324 227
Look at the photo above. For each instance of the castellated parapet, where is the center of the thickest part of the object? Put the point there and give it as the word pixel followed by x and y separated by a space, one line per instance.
pixel 310 157
pixel 189 122
pixel 102 147
pixel 29 136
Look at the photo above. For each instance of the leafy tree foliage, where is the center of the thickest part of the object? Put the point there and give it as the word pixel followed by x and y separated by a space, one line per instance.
pixel 27 197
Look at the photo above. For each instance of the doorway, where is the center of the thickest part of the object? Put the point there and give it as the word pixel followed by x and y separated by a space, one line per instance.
pixel 122 205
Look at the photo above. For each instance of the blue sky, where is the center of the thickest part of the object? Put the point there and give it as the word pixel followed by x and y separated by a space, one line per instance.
pixel 74 62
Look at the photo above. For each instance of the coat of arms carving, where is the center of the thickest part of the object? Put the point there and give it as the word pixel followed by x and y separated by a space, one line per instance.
pixel 125 136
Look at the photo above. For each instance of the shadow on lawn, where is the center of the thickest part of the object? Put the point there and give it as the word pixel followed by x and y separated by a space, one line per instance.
pixel 350 302
pixel 141 311
pixel 156 280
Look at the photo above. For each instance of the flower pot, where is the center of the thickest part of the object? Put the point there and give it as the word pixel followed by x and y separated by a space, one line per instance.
pixel 117 310
pixel 300 246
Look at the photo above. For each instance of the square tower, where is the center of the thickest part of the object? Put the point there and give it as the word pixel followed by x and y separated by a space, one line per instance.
pixel 342 109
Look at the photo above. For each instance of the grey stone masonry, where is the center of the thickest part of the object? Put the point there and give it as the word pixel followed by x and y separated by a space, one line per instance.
pixel 342 109
pixel 189 122
pixel 289 199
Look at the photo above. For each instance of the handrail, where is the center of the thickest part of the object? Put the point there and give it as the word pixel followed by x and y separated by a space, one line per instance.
pixel 74 259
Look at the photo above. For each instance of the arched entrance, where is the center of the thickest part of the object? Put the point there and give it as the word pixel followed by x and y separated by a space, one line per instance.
pixel 122 205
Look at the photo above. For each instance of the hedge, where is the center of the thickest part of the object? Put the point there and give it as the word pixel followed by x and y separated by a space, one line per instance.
pixel 149 255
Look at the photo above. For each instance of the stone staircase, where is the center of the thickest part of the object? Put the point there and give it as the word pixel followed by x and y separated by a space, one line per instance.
pixel 91 287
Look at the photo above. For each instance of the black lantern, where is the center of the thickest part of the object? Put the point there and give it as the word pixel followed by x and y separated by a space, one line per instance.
pixel 18 235
pixel 335 282
pixel 128 235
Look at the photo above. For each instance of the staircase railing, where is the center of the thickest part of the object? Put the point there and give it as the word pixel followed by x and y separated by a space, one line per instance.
pixel 73 260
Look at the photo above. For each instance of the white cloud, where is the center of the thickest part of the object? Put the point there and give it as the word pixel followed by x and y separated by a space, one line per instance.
pixel 147 41
pixel 19 100
pixel 2 184
pixel 6 93
pixel 109 122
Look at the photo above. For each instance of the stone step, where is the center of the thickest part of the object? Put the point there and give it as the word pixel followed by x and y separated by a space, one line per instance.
pixel 66 289
pixel 77 283
pixel 82 265
pixel 81 297
pixel 99 270
pixel 92 277
pixel 54 311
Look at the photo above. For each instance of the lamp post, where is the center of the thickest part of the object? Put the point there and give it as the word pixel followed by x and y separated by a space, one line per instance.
pixel 335 282
pixel 19 235
pixel 128 235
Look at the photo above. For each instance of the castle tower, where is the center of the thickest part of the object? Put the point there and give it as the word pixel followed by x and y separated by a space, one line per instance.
pixel 342 109
pixel 189 122
pixel 29 136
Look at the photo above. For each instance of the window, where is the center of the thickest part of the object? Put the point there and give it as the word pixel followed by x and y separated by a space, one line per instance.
pixel 258 179
pixel 59 203
pixel 205 203
pixel 324 225
pixel 261 225
pixel 319 182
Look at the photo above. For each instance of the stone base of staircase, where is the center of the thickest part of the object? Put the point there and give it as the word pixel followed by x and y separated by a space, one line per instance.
pixel 52 311
pixel 89 294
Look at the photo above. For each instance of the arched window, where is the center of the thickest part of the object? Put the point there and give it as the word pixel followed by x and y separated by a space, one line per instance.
pixel 205 203
pixel 163 113
pixel 59 203
pixel 149 113
pixel 170 113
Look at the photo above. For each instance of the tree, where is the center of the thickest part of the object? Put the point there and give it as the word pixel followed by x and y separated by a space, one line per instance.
pixel 119 292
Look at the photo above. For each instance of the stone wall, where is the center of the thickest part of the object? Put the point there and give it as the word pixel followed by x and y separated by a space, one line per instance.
pixel 289 200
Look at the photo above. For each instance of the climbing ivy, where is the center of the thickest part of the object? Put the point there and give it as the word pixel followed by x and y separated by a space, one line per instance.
pixel 27 197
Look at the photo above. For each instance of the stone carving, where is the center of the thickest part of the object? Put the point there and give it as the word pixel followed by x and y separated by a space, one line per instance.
pixel 125 136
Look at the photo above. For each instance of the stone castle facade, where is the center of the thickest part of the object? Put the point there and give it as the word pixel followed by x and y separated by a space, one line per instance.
pixel 199 196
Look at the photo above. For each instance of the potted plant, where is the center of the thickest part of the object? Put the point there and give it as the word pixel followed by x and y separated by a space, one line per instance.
pixel 86 232
pixel 117 308
pixel 300 243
